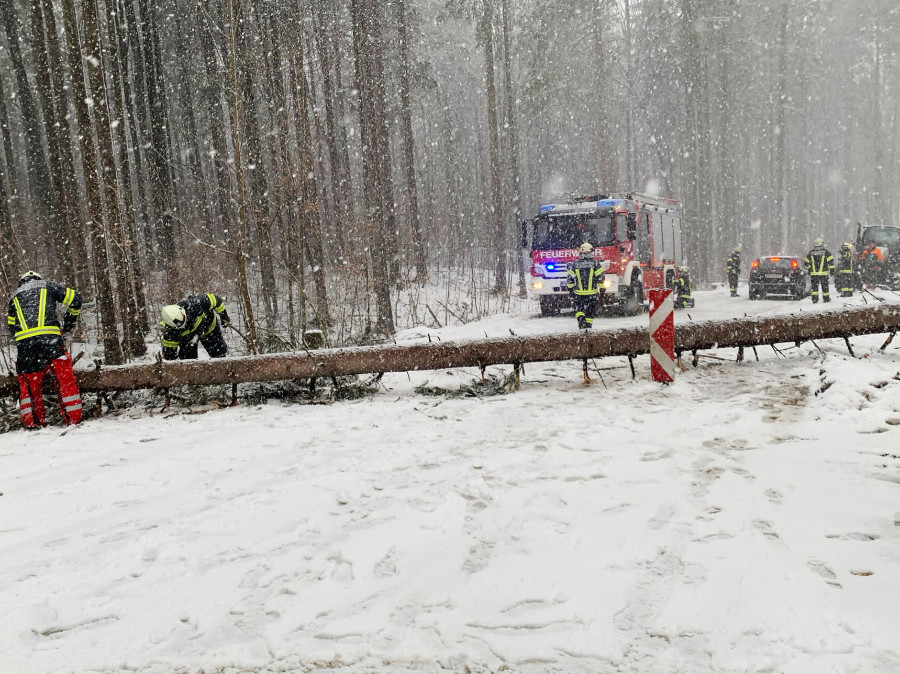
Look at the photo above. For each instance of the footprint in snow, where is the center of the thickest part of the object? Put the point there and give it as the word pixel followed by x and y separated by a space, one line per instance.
pixel 821 568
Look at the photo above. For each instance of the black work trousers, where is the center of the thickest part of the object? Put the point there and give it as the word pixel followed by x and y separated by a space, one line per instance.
pixel 214 343
pixel 820 281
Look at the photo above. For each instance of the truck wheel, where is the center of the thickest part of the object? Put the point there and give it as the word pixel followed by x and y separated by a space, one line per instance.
pixel 549 306
pixel 633 304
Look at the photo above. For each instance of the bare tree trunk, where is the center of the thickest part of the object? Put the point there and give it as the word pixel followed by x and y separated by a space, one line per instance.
pixel 512 131
pixel 8 259
pixel 130 161
pixel 498 239
pixel 93 55
pixel 38 174
pixel 61 181
pixel 241 236
pixel 780 167
pixel 309 214
pixel 121 225
pixel 161 180
pixel 734 333
pixel 376 164
pixel 341 188
pixel 412 191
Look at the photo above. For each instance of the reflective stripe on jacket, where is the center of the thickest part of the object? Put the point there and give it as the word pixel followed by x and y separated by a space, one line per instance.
pixel 819 262
pixel 33 307
pixel 585 277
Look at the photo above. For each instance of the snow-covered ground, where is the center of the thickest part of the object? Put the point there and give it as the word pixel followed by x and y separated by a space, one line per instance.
pixel 744 519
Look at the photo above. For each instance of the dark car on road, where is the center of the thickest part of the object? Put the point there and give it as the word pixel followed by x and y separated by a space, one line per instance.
pixel 778 276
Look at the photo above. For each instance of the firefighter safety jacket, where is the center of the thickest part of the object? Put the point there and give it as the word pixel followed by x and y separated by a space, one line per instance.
pixel 733 264
pixel 683 287
pixel 32 309
pixel 200 313
pixel 819 262
pixel 846 263
pixel 585 277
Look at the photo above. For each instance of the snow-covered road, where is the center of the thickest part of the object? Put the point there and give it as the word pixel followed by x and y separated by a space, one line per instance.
pixel 744 519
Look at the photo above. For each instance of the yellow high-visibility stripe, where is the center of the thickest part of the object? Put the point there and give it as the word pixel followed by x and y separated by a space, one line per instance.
pixel 73 312
pixel 11 320
pixel 22 324
pixel 169 343
pixel 70 295
pixel 42 308
pixel 34 332
pixel 212 300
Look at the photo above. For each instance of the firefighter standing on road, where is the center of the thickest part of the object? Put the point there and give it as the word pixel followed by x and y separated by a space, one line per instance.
pixel 845 280
pixel 819 263
pixel 733 268
pixel 194 319
pixel 683 297
pixel 583 283
pixel 41 347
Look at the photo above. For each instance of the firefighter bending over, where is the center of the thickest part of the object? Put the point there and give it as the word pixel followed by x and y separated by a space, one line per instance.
pixel 585 277
pixel 41 347
pixel 819 263
pixel 683 297
pixel 733 269
pixel 845 280
pixel 194 319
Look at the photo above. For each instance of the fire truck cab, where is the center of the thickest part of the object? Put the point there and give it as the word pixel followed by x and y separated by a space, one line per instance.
pixel 636 236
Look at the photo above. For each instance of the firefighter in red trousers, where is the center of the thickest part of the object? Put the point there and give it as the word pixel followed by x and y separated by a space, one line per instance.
pixel 41 348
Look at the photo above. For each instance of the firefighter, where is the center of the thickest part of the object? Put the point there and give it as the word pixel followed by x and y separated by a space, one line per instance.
pixel 819 263
pixel 846 271
pixel 733 268
pixel 683 297
pixel 583 283
pixel 41 347
pixel 194 319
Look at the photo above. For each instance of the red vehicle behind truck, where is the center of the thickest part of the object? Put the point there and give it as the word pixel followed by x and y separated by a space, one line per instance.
pixel 636 236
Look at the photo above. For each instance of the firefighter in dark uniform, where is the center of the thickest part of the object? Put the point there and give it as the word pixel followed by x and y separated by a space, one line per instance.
pixel 846 271
pixel 583 283
pixel 194 319
pixel 683 297
pixel 733 269
pixel 819 263
pixel 41 347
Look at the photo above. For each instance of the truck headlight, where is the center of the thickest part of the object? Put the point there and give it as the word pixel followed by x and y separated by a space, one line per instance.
pixel 607 283
pixel 537 285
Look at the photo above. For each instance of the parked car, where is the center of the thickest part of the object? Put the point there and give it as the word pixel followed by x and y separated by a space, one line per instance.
pixel 779 276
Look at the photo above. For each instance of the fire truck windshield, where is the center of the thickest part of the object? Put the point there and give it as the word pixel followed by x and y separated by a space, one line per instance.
pixel 570 231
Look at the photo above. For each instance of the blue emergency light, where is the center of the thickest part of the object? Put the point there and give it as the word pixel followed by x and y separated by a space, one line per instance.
pixel 551 267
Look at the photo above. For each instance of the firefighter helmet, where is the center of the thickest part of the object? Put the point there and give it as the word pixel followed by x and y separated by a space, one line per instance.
pixel 846 245
pixel 29 276
pixel 818 242
pixel 738 248
pixel 683 269
pixel 585 248
pixel 172 315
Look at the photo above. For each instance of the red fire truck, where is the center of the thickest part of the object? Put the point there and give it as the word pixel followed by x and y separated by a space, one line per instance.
pixel 636 236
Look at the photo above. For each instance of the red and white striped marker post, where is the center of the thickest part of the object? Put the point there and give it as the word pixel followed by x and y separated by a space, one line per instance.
pixel 662 336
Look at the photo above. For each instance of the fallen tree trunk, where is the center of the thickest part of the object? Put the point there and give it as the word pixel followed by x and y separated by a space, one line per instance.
pixel 739 332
